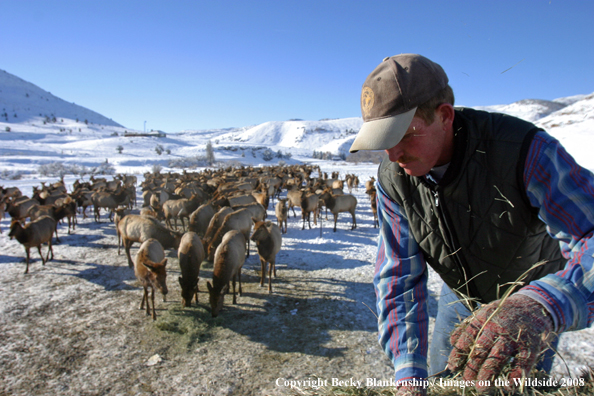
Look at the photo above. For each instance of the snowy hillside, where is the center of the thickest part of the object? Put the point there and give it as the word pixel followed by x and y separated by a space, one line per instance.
pixel 21 101
pixel 30 140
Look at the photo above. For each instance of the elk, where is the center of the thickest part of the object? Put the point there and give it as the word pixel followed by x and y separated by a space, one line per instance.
pixel 180 208
pixel 229 258
pixel 256 209
pixel 190 255
pixel 373 199
pixel 18 208
pixel 109 201
pixel 309 203
pixel 200 218
pixel 268 239
pixel 340 203
pixel 34 234
pixel 281 212
pixel 214 224
pixel 294 199
pixel 135 228
pixel 150 270
pixel 240 220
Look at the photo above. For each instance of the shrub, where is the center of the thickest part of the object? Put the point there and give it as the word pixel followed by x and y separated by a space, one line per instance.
pixel 119 149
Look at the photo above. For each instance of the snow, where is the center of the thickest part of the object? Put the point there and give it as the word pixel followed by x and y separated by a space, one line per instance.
pixel 32 139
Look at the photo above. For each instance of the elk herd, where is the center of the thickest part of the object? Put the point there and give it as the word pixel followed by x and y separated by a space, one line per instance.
pixel 219 211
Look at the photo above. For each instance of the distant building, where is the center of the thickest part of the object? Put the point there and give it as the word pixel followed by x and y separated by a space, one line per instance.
pixel 152 133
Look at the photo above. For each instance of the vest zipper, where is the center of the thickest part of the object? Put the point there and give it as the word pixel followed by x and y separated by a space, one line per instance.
pixel 441 213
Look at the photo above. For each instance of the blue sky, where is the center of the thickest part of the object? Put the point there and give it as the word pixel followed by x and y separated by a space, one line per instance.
pixel 216 64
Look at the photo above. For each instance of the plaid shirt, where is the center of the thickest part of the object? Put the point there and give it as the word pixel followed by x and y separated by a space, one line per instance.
pixel 562 191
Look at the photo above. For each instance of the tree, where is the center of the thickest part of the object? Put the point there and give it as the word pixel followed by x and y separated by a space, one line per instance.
pixel 267 155
pixel 119 149
pixel 210 157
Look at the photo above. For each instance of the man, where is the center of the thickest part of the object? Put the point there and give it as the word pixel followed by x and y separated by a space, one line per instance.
pixel 495 206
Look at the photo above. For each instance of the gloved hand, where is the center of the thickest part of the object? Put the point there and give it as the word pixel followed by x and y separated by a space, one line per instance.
pixel 409 390
pixel 518 329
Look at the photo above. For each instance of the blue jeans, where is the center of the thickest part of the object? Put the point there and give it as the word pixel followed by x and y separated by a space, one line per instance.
pixel 450 312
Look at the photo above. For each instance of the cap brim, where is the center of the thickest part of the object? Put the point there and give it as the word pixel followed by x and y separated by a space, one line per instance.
pixel 382 134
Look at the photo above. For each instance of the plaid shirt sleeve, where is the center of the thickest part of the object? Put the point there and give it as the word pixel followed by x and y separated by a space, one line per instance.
pixel 563 192
pixel 400 283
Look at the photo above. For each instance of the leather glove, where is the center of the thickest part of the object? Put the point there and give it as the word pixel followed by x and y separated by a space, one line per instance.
pixel 514 331
pixel 409 390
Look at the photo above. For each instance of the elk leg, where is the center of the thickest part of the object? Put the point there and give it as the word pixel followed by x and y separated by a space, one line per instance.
pixel 263 273
pixel 41 255
pixel 144 295
pixel 153 302
pixel 127 246
pixel 28 256
pixel 239 275
pixel 270 267
pixel 50 249
pixel 233 283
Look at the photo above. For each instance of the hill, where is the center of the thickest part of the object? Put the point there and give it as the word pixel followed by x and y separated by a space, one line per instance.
pixel 22 101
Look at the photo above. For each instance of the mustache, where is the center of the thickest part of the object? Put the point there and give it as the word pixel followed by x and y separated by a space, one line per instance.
pixel 405 160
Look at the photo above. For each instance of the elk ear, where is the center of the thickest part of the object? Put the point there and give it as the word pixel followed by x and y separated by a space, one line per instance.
pixel 149 266
pixel 164 262
pixel 268 223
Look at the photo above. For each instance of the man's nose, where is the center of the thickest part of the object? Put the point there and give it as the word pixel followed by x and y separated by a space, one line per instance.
pixel 394 153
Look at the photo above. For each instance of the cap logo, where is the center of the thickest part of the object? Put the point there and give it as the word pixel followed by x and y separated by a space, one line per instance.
pixel 367 100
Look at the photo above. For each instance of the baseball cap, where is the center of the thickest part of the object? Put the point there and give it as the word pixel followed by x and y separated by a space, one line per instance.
pixel 390 97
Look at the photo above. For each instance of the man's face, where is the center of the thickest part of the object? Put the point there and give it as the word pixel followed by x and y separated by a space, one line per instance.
pixel 422 147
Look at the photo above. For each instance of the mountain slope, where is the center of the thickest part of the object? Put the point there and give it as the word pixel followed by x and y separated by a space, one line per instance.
pixel 21 101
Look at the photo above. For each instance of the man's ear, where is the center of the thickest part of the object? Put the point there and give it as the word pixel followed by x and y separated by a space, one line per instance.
pixel 445 114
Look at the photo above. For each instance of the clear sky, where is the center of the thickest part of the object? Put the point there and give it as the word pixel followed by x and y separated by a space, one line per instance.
pixel 205 64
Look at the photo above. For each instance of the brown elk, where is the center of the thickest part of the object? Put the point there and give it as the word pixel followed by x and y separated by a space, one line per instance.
pixel 34 234
pixel 268 239
pixel 340 203
pixel 200 218
pixel 180 208
pixel 108 200
pixel 373 199
pixel 281 212
pixel 190 255
pixel 135 228
pixel 309 204
pixel 240 220
pixel 229 258
pixel 150 270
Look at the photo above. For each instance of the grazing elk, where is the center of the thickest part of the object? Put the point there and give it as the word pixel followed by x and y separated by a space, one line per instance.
pixel 190 255
pixel 240 220
pixel 268 239
pixel 281 212
pixel 229 258
pixel 34 234
pixel 135 228
pixel 214 224
pixel 340 203
pixel 200 218
pixel 150 270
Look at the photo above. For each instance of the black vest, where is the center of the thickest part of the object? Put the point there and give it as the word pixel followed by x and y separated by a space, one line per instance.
pixel 476 228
